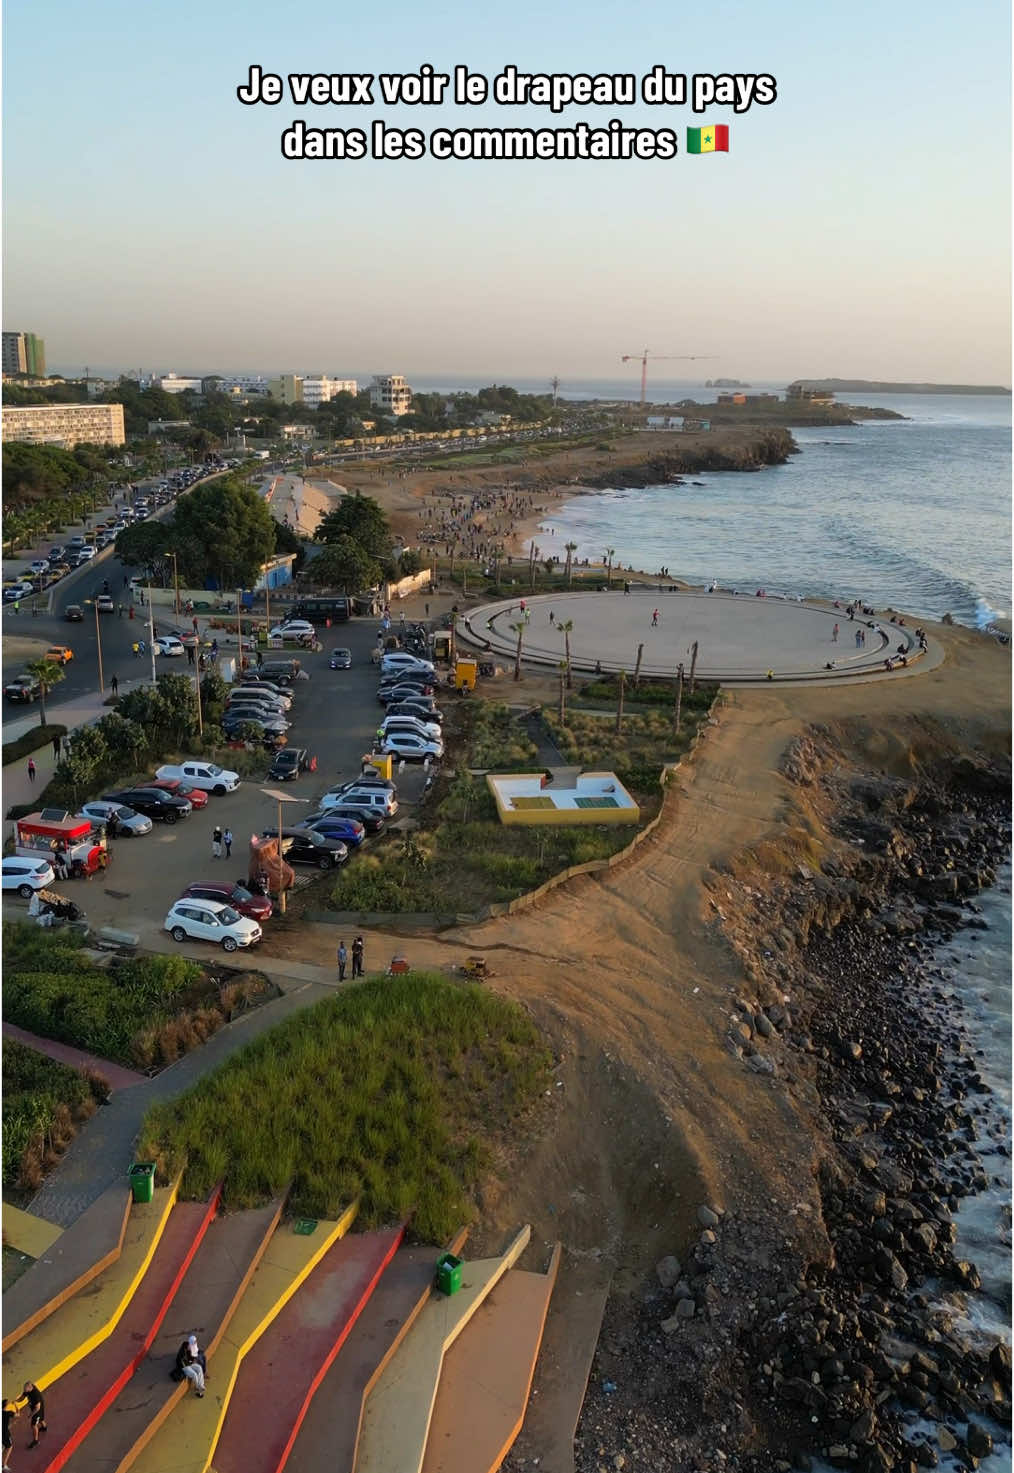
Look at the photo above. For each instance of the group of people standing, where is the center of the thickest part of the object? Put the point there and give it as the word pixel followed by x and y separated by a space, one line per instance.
pixel 358 949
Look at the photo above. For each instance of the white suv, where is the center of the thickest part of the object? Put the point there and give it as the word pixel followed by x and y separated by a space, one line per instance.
pixel 211 920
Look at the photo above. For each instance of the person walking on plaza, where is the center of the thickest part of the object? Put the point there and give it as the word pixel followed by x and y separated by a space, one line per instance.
pixel 10 1413
pixel 227 841
pixel 654 620
pixel 37 1407
pixel 31 770
pixel 343 960
pixel 357 957
pixel 216 843
pixel 834 635
pixel 56 749
pixel 114 685
pixel 191 1364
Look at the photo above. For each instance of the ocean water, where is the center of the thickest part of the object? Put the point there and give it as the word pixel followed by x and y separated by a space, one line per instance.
pixel 910 513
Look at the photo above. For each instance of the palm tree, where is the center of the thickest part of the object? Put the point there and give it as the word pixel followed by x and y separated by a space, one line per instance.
pixel 48 673
pixel 567 625
pixel 677 710
pixel 619 701
pixel 610 554
pixel 519 629
pixel 571 549
pixel 564 672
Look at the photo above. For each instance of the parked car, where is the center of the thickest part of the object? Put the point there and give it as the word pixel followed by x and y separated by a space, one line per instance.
pixel 257 907
pixel 428 729
pixel 288 764
pixel 86 553
pixel 403 660
pixel 306 847
pixel 118 818
pixel 211 920
pixel 422 708
pixel 373 822
pixel 268 716
pixel 265 687
pixel 253 680
pixel 395 695
pixel 380 800
pixel 336 826
pixel 340 659
pixel 104 604
pixel 73 613
pixel 170 644
pixel 201 774
pixel 27 875
pixel 155 802
pixel 292 629
pixel 411 746
pixel 15 591
pixel 196 797
pixel 23 688
pixel 60 654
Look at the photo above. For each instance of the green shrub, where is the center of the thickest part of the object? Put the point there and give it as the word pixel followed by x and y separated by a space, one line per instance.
pixel 43 1102
pixel 394 1092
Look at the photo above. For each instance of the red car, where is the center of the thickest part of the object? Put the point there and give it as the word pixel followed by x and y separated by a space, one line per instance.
pixel 197 797
pixel 256 907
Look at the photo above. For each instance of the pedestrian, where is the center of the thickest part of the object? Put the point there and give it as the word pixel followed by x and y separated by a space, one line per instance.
pixel 260 659
pixel 191 1364
pixel 858 637
pixel 17 606
pixel 37 1407
pixel 196 629
pixel 834 635
pixel 60 860
pixel 552 620
pixel 119 611
pixel 10 1413
pixel 357 957
pixel 31 770
pixel 343 959
pixel 56 749
pixel 654 619
pixel 227 841
pixel 216 843
pixel 114 685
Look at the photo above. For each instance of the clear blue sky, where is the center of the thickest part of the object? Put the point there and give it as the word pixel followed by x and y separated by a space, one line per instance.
pixel 859 226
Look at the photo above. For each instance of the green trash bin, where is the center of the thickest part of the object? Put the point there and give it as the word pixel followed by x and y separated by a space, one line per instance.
pixel 449 1274
pixel 142 1181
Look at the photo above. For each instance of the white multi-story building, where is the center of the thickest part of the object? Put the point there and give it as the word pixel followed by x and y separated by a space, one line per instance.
pixel 390 393
pixel 236 383
pixel 172 384
pixel 319 389
pixel 64 424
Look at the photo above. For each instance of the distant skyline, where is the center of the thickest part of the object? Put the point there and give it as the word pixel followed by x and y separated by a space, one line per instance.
pixel 858 227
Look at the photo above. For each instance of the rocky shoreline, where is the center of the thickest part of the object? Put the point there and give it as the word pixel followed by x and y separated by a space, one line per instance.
pixel 762 448
pixel 778 1343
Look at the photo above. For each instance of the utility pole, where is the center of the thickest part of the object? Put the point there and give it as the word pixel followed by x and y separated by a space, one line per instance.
pixel 151 637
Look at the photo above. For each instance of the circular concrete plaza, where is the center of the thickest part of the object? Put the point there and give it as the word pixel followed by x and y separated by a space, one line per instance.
pixel 739 637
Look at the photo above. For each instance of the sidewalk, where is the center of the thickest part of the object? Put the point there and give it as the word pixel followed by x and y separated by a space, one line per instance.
pixel 115 1075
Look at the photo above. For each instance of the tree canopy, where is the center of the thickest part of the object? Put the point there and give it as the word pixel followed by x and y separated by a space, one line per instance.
pixel 345 564
pixel 362 518
pixel 223 531
pixel 32 472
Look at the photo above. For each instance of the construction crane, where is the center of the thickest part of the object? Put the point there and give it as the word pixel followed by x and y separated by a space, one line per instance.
pixel 659 358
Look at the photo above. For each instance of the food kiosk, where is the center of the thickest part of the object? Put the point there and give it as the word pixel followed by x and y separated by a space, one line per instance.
pixel 39 834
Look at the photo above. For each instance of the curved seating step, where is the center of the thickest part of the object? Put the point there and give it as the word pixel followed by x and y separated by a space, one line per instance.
pixel 327 1440
pixel 82 1395
pixel 79 1255
pixel 203 1305
pixel 189 1440
pixel 294 1355
pixel 487 1375
pixel 398 1410
pixel 60 1341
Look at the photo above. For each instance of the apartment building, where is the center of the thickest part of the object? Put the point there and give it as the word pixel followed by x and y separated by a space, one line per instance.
pixel 64 424
pixel 319 389
pixel 287 388
pixel 23 352
pixel 390 393
pixel 173 384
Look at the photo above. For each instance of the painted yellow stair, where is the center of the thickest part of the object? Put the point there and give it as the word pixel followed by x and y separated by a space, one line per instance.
pixel 397 1416
pixel 84 1321
pixel 186 1443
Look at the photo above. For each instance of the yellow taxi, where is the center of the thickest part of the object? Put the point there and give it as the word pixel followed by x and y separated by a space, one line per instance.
pixel 59 654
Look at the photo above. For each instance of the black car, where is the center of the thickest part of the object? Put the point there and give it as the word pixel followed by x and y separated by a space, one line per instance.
pixel 341 659
pixel 289 763
pixel 307 847
pixel 23 688
pixel 73 613
pixel 393 695
pixel 422 709
pixel 154 803
pixel 373 823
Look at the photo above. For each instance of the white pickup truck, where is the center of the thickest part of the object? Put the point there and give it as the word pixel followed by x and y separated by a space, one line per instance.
pixel 199 774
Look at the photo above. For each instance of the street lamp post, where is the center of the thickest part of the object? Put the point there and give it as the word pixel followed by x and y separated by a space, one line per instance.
pixel 98 641
pixel 197 688
pixel 239 629
pixel 281 798
pixel 176 582
pixel 151 637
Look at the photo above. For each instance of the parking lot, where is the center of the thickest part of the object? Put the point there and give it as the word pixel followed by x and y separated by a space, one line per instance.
pixel 334 715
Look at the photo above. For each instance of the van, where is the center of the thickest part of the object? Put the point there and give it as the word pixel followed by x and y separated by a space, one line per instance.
pixel 379 800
